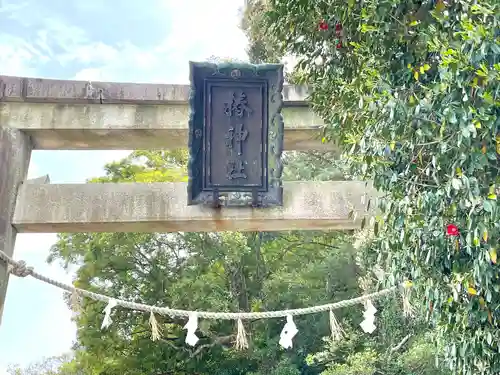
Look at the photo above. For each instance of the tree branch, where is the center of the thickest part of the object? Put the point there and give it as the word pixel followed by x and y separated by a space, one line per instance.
pixel 401 343
pixel 216 341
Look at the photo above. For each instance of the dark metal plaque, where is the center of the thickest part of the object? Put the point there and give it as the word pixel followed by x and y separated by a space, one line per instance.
pixel 235 135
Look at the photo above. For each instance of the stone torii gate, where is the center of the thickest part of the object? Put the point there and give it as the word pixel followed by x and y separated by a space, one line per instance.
pixel 43 114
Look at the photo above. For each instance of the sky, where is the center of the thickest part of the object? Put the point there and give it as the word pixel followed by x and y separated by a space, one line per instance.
pixel 148 41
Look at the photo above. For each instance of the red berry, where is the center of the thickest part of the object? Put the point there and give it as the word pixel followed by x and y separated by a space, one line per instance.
pixel 452 230
pixel 338 27
pixel 339 45
pixel 323 25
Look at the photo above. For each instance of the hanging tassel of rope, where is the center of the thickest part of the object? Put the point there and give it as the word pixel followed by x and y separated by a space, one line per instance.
pixel 241 336
pixel 337 331
pixel 156 331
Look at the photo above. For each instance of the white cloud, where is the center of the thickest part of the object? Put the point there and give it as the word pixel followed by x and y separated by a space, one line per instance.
pixel 16 55
pixel 126 62
pixel 42 42
pixel 90 74
pixel 208 27
pixel 89 53
pixel 7 7
pixel 198 30
pixel 195 30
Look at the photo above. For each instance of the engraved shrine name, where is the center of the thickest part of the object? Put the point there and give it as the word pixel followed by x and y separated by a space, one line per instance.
pixel 236 135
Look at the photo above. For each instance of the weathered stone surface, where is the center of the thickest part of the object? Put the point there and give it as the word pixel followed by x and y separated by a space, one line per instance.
pixel 15 152
pixel 66 91
pixel 61 114
pixel 161 207
pixel 145 126
pixel 59 91
pixel 11 88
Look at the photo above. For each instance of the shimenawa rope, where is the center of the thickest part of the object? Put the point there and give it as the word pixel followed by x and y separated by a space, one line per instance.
pixel 20 269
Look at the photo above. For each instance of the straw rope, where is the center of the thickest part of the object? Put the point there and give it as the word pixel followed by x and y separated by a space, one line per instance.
pixel 20 269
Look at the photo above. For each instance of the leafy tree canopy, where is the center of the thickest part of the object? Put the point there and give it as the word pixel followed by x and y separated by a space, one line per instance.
pixel 214 271
pixel 227 272
pixel 411 88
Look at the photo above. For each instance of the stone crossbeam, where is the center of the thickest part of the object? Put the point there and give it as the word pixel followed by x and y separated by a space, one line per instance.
pixel 79 115
pixel 161 207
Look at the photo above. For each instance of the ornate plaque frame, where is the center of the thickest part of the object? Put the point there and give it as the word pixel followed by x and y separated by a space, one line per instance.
pixel 268 78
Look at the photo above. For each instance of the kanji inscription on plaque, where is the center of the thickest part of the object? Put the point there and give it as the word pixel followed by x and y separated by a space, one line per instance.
pixel 235 135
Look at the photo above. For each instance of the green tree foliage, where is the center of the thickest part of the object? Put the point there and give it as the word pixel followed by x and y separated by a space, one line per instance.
pixel 227 272
pixel 313 166
pixel 262 46
pixel 47 366
pixel 215 271
pixel 412 90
